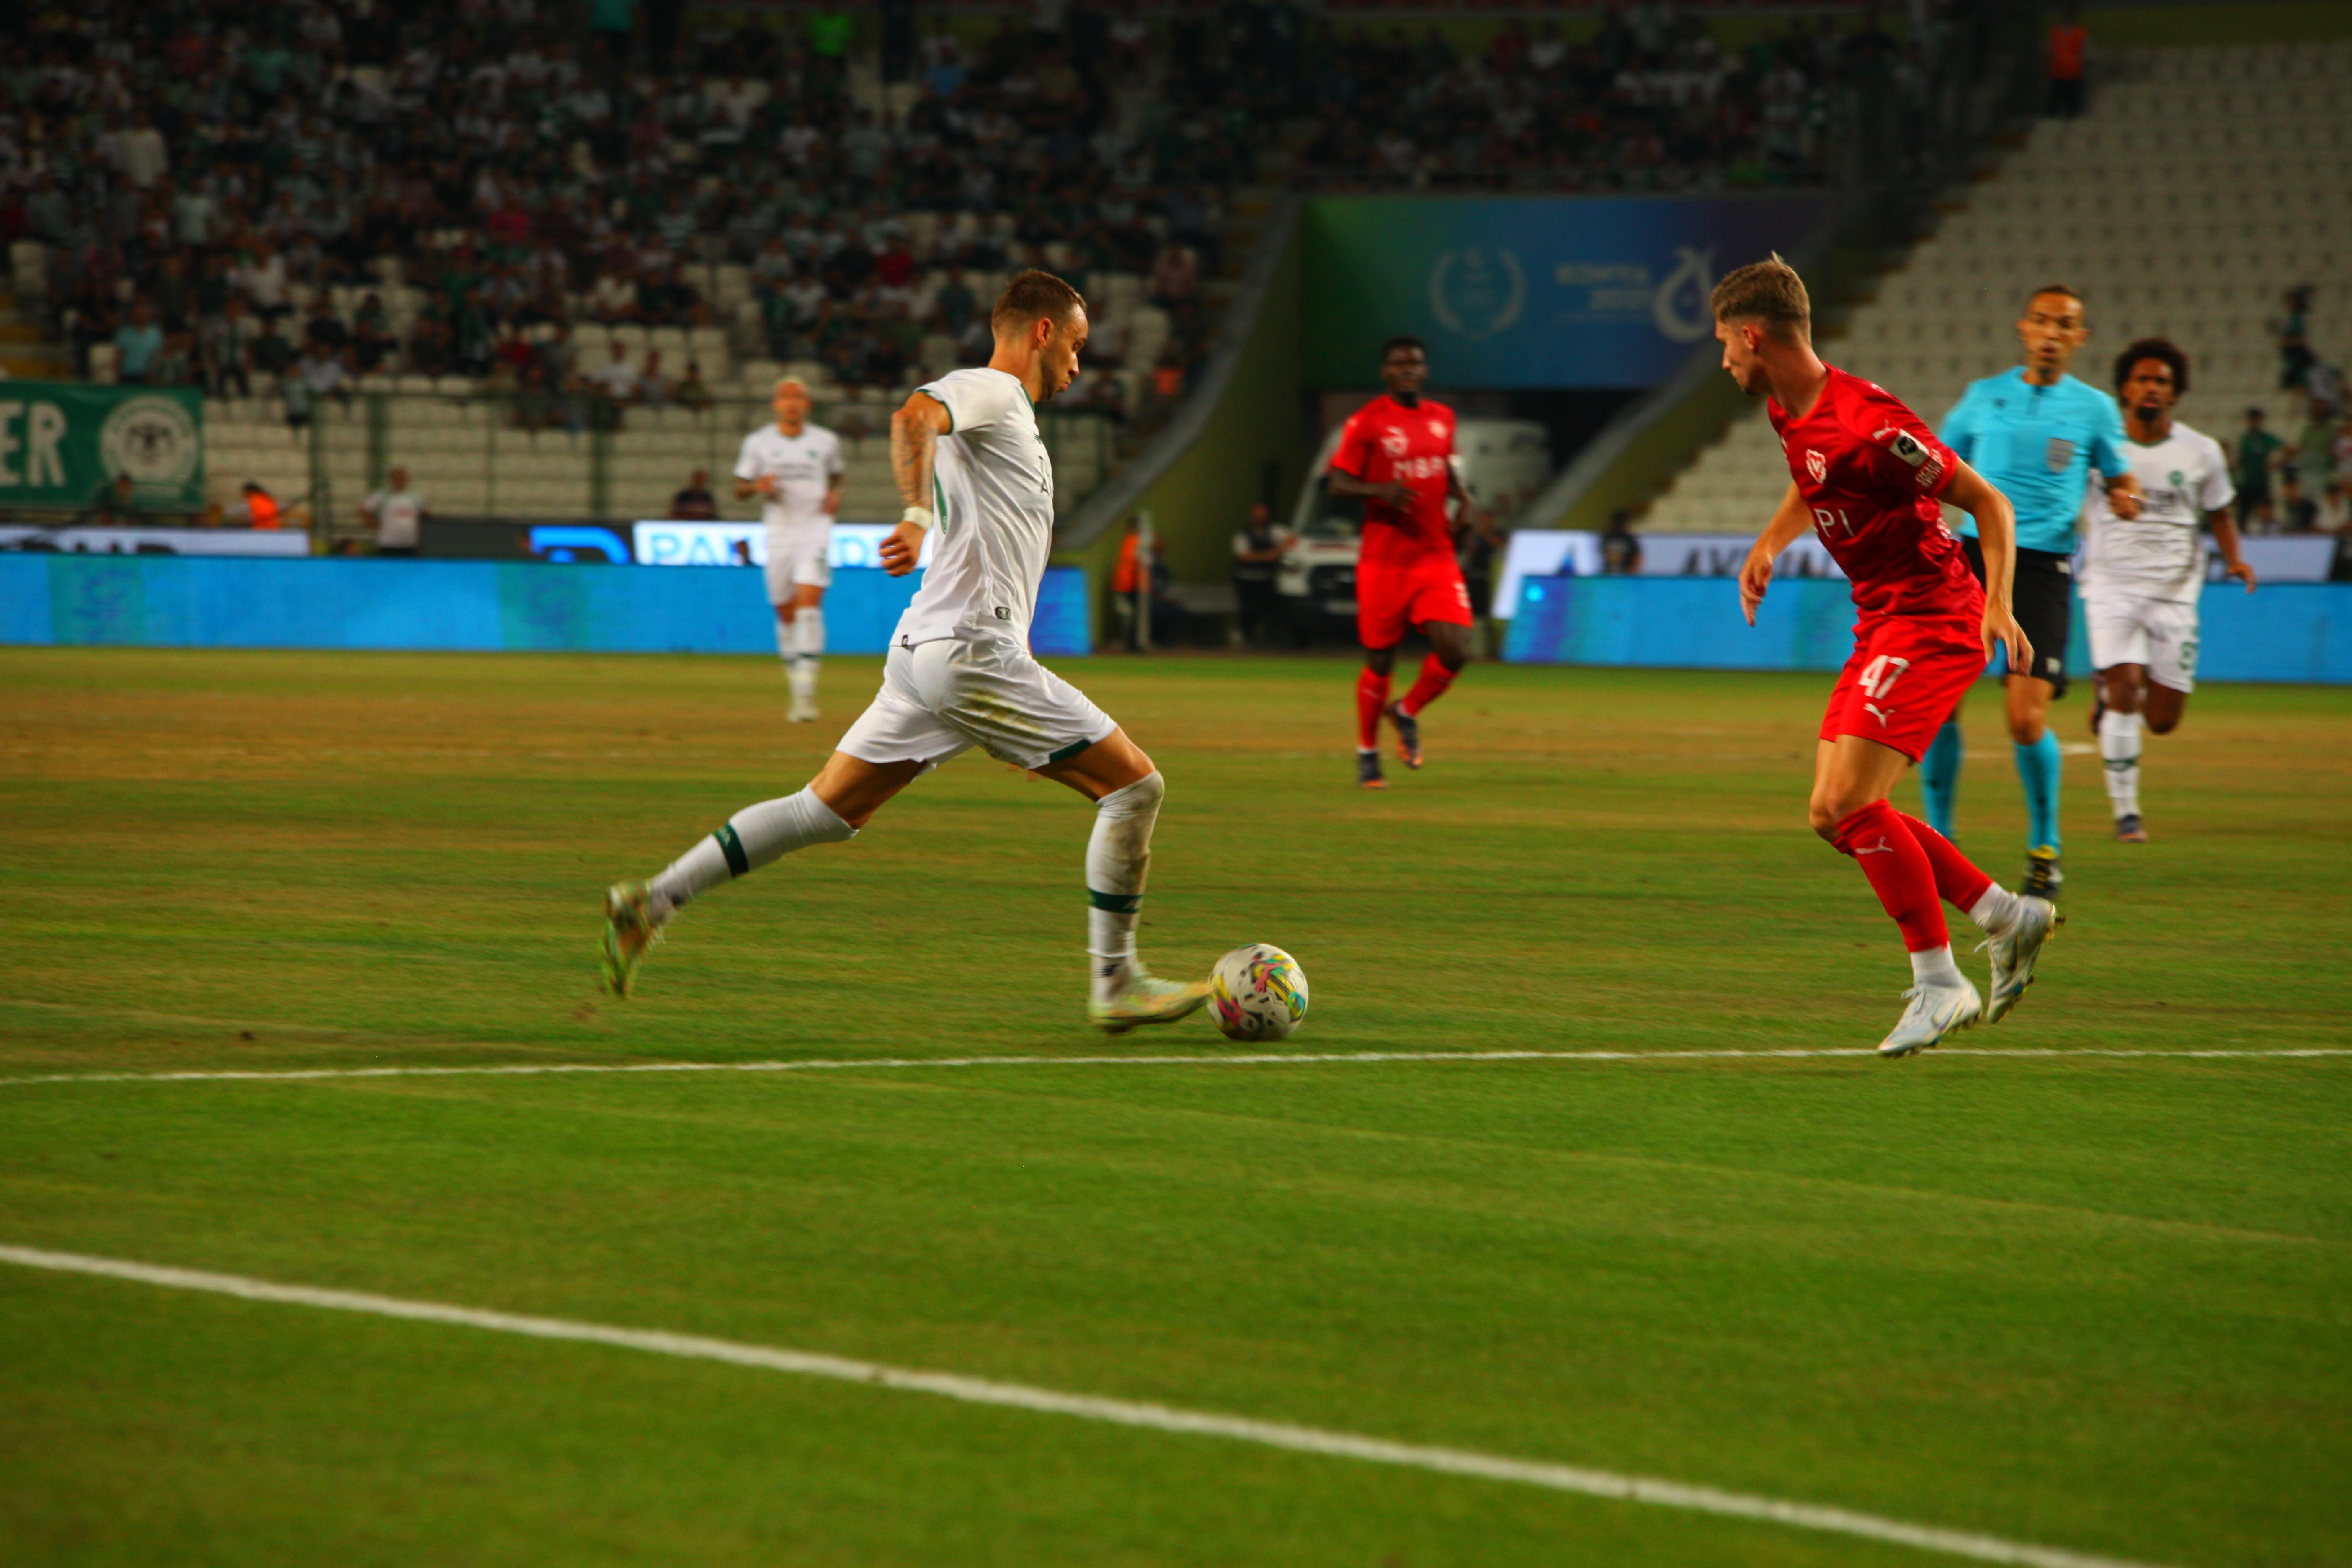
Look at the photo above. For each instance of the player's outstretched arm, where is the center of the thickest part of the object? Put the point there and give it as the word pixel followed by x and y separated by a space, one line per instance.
pixel 1996 537
pixel 2225 538
pixel 915 432
pixel 1789 519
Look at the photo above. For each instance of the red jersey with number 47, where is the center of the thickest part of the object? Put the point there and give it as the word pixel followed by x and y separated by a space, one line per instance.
pixel 1385 440
pixel 1870 471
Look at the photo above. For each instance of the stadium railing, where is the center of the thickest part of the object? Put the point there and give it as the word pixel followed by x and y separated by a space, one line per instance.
pixel 521 457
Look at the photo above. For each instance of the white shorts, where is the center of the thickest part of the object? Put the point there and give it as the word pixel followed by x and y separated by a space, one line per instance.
pixel 797 557
pixel 941 698
pixel 2160 634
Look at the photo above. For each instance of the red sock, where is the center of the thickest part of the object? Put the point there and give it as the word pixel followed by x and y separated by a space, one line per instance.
pixel 1371 696
pixel 1957 877
pixel 1899 872
pixel 1434 678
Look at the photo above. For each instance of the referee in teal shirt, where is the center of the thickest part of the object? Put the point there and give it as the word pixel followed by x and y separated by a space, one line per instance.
pixel 2036 433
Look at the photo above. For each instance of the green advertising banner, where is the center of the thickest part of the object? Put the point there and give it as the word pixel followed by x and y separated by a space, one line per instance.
pixel 61 440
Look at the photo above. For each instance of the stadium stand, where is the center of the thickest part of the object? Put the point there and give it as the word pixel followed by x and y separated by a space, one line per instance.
pixel 472 211
pixel 2201 186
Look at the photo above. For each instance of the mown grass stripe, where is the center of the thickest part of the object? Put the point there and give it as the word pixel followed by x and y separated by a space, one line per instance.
pixel 1291 1058
pixel 1088 1407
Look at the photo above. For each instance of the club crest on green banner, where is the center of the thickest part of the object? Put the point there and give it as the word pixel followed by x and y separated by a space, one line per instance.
pixel 60 441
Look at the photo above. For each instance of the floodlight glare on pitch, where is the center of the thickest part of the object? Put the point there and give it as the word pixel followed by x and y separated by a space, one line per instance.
pixel 1258 993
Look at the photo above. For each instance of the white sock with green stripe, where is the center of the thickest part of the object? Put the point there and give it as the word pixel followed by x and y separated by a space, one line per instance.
pixel 1118 857
pixel 753 836
pixel 807 643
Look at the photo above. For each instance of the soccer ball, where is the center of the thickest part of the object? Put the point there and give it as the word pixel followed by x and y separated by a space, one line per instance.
pixel 1258 993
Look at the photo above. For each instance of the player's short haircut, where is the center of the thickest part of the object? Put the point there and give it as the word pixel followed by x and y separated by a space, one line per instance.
pixel 1402 341
pixel 1033 295
pixel 784 380
pixel 2153 348
pixel 2059 288
pixel 1768 292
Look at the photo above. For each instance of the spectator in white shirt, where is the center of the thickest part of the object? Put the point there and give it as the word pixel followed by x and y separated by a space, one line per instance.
pixel 617 377
pixel 396 513
pixel 262 276
pixel 139 154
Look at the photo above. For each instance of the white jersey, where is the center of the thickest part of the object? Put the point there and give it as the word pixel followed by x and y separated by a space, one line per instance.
pixel 805 468
pixel 992 488
pixel 2160 554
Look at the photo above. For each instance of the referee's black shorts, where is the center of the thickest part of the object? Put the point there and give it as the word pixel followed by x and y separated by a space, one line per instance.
pixel 2042 594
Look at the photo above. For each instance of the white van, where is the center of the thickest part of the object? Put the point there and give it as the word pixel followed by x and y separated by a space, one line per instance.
pixel 1504 464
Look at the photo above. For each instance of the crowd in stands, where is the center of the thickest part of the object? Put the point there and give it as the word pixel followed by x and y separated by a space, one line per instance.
pixel 206 175
pixel 1648 103
pixel 2298 478
pixel 234 191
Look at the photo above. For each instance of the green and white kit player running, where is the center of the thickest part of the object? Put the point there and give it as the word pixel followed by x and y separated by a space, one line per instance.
pixel 2142 576
pixel 969 462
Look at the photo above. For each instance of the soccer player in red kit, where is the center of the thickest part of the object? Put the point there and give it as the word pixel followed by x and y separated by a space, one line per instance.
pixel 1397 454
pixel 1866 474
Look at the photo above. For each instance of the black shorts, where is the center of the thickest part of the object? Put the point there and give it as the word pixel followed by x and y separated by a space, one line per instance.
pixel 2042 594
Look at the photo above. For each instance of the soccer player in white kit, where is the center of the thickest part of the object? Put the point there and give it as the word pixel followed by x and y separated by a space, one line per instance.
pixel 2141 577
pixel 972 468
pixel 797 466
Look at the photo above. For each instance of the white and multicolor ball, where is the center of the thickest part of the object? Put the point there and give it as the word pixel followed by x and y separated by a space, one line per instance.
pixel 1258 993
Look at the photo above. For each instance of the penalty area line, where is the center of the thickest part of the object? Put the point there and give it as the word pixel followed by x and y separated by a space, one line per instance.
pixel 1270 1059
pixel 1087 1407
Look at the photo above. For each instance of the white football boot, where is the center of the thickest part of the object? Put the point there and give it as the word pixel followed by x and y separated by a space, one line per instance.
pixel 1934 1011
pixel 2012 953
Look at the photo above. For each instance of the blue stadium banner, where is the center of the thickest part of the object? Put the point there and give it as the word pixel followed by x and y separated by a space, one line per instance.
pixel 59 441
pixel 1566 291
pixel 180 601
pixel 2289 632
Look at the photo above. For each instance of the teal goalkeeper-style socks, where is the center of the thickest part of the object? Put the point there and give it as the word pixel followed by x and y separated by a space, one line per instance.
pixel 2038 768
pixel 1939 776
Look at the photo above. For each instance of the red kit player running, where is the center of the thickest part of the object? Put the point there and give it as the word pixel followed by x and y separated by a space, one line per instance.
pixel 1397 453
pixel 1866 475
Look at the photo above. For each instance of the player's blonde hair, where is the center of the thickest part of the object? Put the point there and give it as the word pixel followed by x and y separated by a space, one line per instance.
pixel 1768 292
pixel 784 380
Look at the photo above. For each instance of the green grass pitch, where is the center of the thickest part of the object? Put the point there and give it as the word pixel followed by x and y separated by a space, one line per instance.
pixel 2098 1303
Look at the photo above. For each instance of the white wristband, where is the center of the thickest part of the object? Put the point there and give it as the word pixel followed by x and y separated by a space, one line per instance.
pixel 920 516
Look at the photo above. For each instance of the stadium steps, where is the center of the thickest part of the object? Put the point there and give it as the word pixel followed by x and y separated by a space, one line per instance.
pixel 2200 187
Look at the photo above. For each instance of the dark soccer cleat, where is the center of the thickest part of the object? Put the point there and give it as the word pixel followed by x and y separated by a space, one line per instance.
pixel 1367 771
pixel 2043 876
pixel 1408 728
pixel 2130 830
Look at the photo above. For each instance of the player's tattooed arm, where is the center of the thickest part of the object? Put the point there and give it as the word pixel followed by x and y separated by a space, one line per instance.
pixel 2225 539
pixel 915 432
pixel 1996 537
pixel 1789 519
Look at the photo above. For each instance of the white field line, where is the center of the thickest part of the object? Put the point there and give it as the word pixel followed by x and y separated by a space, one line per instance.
pixel 1086 1408
pixel 1290 1058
